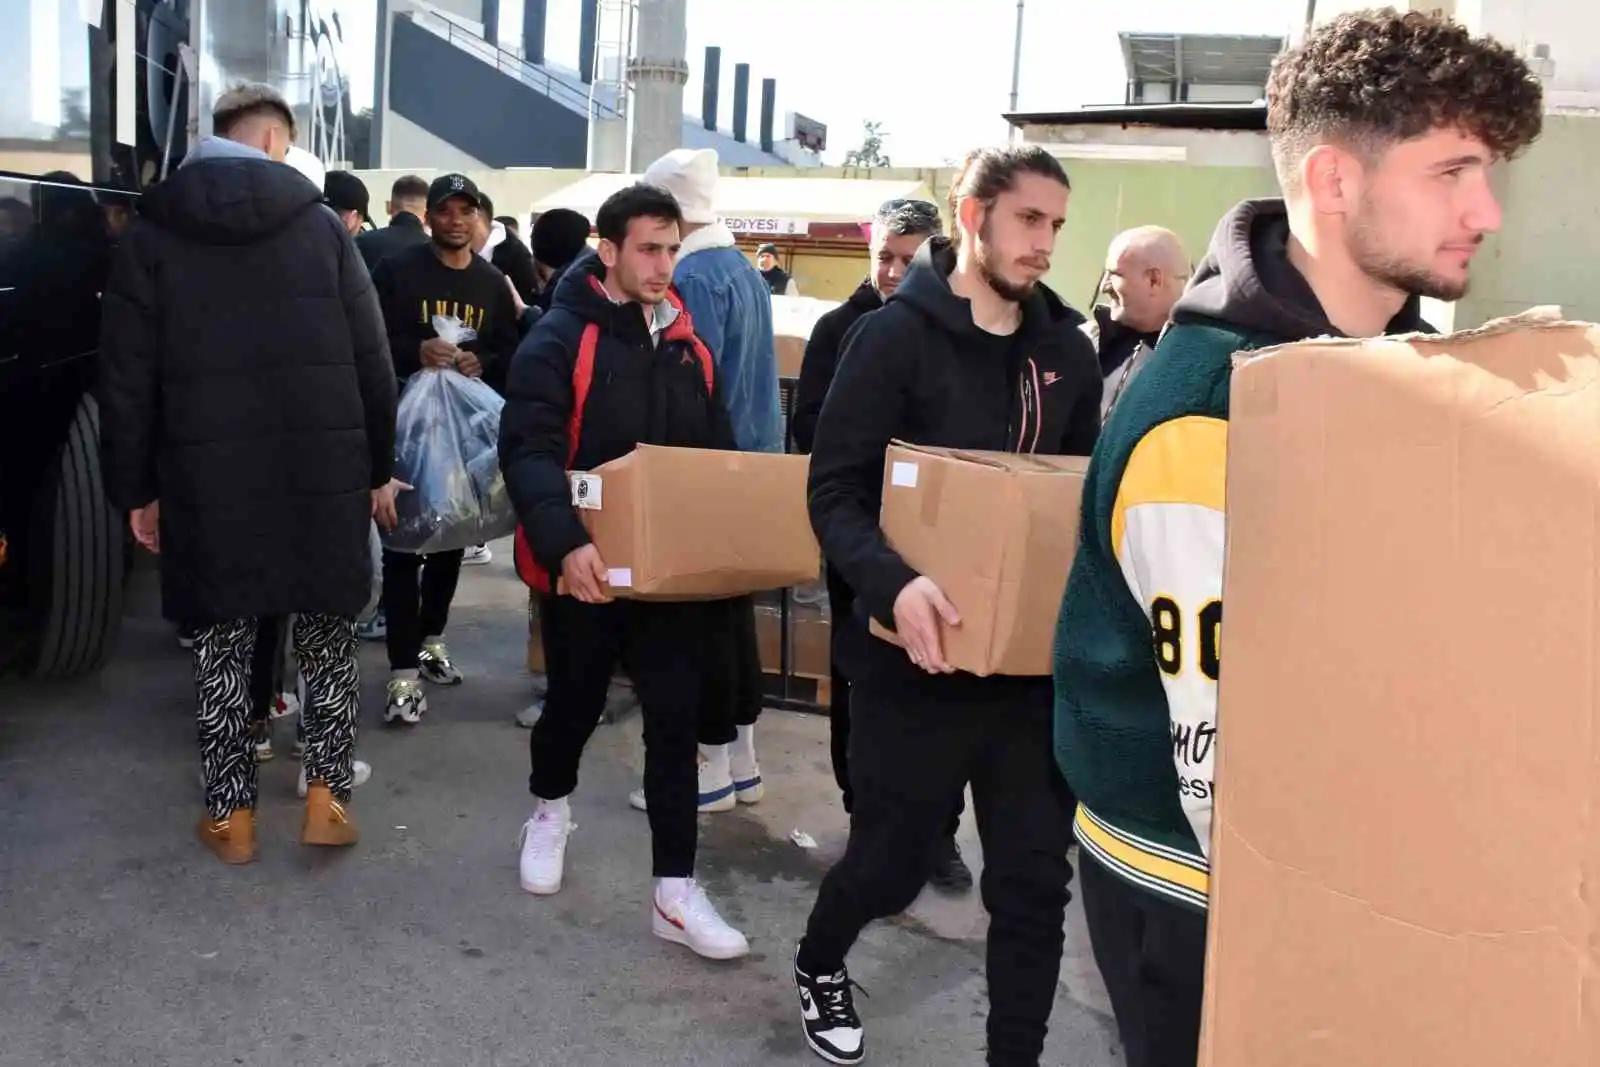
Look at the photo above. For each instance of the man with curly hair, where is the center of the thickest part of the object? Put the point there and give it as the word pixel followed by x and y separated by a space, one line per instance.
pixel 1384 127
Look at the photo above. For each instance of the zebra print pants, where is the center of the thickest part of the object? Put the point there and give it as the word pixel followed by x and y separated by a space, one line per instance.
pixel 326 646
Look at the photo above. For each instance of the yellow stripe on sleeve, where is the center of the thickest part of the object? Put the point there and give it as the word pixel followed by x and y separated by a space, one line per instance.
pixel 1179 462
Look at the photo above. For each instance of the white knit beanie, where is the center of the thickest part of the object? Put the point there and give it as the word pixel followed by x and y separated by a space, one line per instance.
pixel 690 175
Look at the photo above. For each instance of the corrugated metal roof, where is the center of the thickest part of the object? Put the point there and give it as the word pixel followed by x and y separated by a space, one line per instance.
pixel 1170 116
pixel 1204 58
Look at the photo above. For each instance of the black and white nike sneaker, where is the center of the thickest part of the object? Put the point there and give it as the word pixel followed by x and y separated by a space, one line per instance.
pixel 828 1013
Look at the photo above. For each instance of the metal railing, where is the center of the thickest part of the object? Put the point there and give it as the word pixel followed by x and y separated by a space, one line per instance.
pixel 513 65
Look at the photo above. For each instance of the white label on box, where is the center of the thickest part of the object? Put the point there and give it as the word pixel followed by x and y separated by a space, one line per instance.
pixel 903 474
pixel 585 490
pixel 621 577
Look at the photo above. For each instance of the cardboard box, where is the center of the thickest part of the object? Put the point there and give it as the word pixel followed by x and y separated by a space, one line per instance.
pixel 1406 847
pixel 691 524
pixel 793 318
pixel 812 649
pixel 997 532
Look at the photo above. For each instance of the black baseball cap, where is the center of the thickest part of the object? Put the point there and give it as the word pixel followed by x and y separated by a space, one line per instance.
pixel 447 185
pixel 343 191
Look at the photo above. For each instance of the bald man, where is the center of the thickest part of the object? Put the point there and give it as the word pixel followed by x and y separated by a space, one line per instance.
pixel 1146 270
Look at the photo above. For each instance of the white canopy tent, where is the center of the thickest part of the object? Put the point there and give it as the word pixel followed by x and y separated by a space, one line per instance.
pixel 759 206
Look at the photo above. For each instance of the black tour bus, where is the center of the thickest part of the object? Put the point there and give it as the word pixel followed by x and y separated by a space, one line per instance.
pixel 99 99
pixel 74 151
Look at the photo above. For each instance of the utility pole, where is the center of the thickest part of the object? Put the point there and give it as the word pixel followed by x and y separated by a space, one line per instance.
pixel 1016 65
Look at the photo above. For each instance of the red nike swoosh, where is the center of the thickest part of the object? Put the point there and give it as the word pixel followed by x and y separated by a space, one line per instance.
pixel 667 917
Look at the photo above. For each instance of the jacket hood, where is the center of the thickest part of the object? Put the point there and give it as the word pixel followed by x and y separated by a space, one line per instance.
pixel 227 194
pixel 866 297
pixel 1246 280
pixel 926 287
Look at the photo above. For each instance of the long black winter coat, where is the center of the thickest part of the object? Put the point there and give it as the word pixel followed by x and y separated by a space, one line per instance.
pixel 245 383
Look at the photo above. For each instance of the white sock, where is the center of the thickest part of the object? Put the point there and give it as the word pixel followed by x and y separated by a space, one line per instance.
pixel 554 807
pixel 717 757
pixel 744 748
pixel 411 675
pixel 672 889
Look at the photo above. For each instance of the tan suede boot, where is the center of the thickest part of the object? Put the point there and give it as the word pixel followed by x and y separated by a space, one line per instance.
pixel 233 838
pixel 327 820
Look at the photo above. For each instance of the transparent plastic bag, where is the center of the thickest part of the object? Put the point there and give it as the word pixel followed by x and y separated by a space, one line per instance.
pixel 447 443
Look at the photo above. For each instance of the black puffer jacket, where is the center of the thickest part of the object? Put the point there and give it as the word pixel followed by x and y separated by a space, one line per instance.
pixel 640 393
pixel 821 361
pixel 246 384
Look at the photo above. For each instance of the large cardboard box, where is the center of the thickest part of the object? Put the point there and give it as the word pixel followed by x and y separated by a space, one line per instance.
pixel 1407 838
pixel 690 523
pixel 996 531
pixel 793 318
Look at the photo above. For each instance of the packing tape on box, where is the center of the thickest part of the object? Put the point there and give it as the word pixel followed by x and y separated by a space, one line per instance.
pixel 933 475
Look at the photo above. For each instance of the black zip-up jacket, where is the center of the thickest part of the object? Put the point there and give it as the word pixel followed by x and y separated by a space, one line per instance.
pixel 821 361
pixel 920 370
pixel 640 393
pixel 403 231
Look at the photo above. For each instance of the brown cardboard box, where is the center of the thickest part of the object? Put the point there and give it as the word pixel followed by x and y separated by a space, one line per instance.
pixel 996 531
pixel 793 318
pixel 689 523
pixel 1407 847
pixel 812 640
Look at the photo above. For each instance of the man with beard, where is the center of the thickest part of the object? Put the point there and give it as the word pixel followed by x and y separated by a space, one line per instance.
pixel 614 364
pixel 899 229
pixel 441 280
pixel 1146 269
pixel 972 352
pixel 1384 128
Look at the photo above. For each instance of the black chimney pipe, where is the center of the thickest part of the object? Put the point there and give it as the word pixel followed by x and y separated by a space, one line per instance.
pixel 491 21
pixel 709 86
pixel 741 100
pixel 534 15
pixel 588 37
pixel 769 100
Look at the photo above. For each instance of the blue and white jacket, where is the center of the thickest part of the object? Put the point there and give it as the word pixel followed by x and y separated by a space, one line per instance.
pixel 732 311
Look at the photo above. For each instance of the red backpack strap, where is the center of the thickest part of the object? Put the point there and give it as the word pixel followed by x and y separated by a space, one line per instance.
pixel 582 379
pixel 528 568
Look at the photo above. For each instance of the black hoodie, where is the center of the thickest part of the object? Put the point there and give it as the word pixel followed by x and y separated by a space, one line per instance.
pixel 245 382
pixel 919 369
pixel 1247 282
pixel 821 361
pixel 642 391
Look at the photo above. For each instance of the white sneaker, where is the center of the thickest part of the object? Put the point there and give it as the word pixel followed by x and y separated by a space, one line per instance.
pixel 477 556
pixel 406 702
pixel 286 704
pixel 716 791
pixel 544 849
pixel 529 716
pixel 692 921
pixel 747 785
pixel 360 772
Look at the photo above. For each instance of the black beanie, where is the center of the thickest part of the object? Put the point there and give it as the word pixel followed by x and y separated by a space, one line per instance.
pixel 559 237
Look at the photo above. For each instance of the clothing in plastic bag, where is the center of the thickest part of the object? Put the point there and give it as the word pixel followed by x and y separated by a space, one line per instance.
pixel 447 443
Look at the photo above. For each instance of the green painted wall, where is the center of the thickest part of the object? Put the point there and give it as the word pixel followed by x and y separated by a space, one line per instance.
pixel 1549 246
pixel 1109 197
